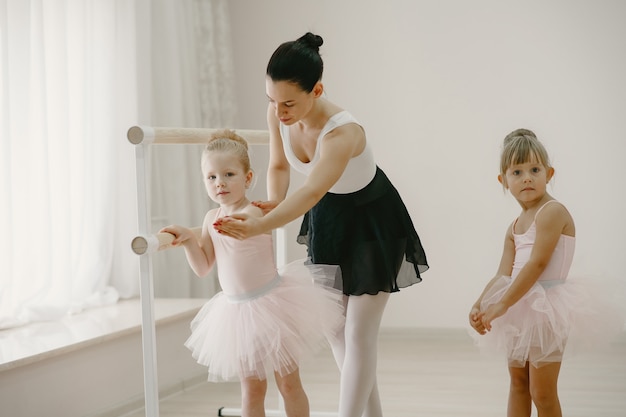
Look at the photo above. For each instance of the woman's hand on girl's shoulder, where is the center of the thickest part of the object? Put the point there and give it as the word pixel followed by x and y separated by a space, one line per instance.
pixel 253 210
pixel 237 225
pixel 265 206
pixel 240 225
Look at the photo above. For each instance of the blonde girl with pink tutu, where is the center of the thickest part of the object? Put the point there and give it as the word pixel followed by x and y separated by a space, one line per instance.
pixel 530 310
pixel 265 319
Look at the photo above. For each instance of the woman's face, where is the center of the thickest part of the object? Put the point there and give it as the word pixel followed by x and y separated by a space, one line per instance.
pixel 290 102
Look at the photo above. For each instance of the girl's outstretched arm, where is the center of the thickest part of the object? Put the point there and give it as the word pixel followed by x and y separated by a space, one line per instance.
pixel 199 253
pixel 550 224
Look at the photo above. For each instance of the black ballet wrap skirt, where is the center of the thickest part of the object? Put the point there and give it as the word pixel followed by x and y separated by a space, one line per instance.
pixel 369 234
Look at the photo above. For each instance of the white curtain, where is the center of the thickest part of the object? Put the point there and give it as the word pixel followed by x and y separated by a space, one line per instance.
pixel 74 76
pixel 68 94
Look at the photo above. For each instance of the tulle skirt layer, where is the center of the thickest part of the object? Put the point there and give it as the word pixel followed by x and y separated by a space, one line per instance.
pixel 271 330
pixel 549 317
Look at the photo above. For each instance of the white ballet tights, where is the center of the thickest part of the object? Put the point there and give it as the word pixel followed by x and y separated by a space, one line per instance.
pixel 356 354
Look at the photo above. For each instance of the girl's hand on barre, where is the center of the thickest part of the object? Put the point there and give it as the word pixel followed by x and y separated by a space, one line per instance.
pixel 181 234
pixel 238 225
pixel 266 206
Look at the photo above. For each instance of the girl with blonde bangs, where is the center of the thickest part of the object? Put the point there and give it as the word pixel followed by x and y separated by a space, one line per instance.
pixel 531 310
pixel 265 320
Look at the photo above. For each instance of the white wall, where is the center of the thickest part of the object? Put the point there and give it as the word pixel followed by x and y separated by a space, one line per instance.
pixel 438 84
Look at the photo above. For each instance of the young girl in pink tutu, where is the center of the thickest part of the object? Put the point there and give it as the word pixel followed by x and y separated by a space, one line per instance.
pixel 264 319
pixel 530 310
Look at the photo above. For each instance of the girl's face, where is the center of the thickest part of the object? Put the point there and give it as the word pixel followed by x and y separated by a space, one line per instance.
pixel 224 178
pixel 528 181
pixel 291 104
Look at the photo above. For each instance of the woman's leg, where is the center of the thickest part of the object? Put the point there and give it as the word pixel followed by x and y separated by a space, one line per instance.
pixel 338 345
pixel 520 402
pixel 543 389
pixel 357 356
pixel 374 407
pixel 253 397
pixel 296 401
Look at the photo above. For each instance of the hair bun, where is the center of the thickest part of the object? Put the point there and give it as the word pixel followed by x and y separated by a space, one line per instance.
pixel 519 132
pixel 228 134
pixel 311 40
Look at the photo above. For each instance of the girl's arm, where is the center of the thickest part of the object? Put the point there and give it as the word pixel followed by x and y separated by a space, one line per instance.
pixel 336 150
pixel 504 269
pixel 200 254
pixel 550 224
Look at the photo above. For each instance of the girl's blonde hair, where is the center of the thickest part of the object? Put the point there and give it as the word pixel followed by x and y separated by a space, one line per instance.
pixel 521 146
pixel 228 141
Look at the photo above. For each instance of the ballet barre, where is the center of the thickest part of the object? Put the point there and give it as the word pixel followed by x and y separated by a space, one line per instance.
pixel 145 244
pixel 138 135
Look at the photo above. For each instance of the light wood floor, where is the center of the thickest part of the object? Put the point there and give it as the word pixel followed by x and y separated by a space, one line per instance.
pixel 436 373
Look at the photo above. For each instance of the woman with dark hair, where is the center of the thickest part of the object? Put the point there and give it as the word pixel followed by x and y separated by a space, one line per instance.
pixel 353 215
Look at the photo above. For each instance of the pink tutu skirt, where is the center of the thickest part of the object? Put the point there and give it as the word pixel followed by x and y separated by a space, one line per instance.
pixel 272 329
pixel 549 317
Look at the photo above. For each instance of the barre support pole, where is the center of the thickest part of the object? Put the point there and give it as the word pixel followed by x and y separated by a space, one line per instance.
pixel 146 290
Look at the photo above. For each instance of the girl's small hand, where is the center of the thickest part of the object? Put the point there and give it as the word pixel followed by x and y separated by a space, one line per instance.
pixel 475 321
pixel 181 234
pixel 266 206
pixel 493 312
pixel 239 225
